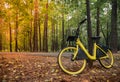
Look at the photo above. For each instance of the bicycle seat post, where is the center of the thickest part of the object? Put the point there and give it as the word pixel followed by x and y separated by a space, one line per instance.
pixel 95 38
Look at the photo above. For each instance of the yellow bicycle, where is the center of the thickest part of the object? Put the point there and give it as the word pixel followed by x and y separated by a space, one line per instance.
pixel 72 60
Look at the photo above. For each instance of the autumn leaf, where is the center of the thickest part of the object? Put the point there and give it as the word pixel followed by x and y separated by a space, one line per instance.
pixel 4 80
pixel 38 68
pixel 56 70
pixel 1 65
pixel 93 71
pixel 114 74
pixel 54 65
pixel 53 70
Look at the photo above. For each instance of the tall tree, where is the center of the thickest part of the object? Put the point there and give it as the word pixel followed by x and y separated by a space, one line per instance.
pixel 10 33
pixel 45 36
pixel 56 38
pixel 40 37
pixel 106 36
pixel 63 33
pixel 31 29
pixel 35 37
pixel 114 34
pixel 16 31
pixel 98 22
pixel 53 36
pixel 30 33
pixel 89 31
pixel 0 42
pixel 0 28
pixel 0 34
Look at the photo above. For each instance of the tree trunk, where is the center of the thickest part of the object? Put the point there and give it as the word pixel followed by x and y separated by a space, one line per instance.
pixel 10 33
pixel 16 32
pixel 98 23
pixel 114 34
pixel 107 37
pixel 53 36
pixel 45 36
pixel 0 34
pixel 56 38
pixel 30 35
pixel 89 31
pixel 62 43
pixel 40 46
pixel 35 37
pixel 24 42
pixel 0 42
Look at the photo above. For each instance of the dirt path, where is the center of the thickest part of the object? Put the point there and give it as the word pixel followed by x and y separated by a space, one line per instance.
pixel 32 53
pixel 19 67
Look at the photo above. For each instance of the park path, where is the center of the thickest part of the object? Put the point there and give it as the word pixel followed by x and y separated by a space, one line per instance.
pixel 33 53
pixel 52 54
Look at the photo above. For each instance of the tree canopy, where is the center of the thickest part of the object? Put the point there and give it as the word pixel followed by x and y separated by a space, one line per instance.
pixel 44 25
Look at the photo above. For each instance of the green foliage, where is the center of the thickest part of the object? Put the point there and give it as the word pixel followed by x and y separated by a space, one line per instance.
pixel 74 11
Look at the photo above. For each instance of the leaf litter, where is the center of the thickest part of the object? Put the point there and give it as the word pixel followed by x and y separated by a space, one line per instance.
pixel 29 68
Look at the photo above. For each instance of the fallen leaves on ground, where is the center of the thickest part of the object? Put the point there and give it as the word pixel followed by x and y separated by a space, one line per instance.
pixel 29 68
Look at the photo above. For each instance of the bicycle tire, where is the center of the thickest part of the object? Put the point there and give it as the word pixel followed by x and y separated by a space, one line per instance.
pixel 107 62
pixel 68 65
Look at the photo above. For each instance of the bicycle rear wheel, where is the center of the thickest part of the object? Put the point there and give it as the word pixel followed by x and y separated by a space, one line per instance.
pixel 67 64
pixel 108 60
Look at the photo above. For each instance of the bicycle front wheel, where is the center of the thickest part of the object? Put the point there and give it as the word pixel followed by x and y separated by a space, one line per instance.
pixel 68 65
pixel 108 60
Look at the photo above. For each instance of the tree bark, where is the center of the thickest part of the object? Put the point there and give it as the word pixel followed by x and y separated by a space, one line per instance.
pixel 35 37
pixel 53 36
pixel 56 38
pixel 114 34
pixel 89 31
pixel 1 23
pixel 16 32
pixel 63 33
pixel 30 34
pixel 0 41
pixel 45 37
pixel 10 33
pixel 98 23
pixel 40 46
pixel 0 33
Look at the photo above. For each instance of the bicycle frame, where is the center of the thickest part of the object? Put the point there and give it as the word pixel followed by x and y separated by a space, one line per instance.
pixel 95 47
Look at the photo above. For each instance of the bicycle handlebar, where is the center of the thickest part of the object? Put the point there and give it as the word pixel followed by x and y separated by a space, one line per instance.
pixel 82 21
pixel 77 31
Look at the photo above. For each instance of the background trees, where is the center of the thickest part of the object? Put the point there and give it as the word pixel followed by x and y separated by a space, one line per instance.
pixel 35 36
pixel 44 25
pixel 113 33
pixel 0 33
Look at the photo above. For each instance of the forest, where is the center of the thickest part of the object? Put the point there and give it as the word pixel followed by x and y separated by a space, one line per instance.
pixel 44 25
pixel 33 32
